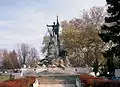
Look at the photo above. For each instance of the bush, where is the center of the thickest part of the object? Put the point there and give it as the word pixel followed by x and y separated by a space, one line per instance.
pixel 23 82
pixel 98 82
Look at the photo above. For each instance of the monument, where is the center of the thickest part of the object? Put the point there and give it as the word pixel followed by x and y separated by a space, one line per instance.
pixel 55 53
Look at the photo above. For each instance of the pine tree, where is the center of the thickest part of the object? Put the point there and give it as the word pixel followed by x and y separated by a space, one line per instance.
pixel 110 33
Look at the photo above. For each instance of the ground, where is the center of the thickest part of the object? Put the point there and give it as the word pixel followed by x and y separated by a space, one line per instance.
pixel 57 81
pixel 4 77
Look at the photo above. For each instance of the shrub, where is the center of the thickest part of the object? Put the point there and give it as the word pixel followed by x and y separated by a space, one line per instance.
pixel 98 82
pixel 23 82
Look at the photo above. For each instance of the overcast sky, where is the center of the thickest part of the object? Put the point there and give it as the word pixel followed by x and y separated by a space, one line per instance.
pixel 24 21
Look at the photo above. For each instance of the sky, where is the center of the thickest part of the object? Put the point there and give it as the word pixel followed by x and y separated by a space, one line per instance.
pixel 24 21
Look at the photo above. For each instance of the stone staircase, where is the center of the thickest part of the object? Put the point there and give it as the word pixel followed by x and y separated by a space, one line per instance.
pixel 48 81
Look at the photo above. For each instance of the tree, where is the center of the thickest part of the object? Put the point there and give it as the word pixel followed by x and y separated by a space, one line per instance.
pixel 33 53
pixel 65 24
pixel 20 57
pixel 45 44
pixel 23 53
pixel 28 55
pixel 33 57
pixel 14 59
pixel 94 16
pixel 7 62
pixel 83 45
pixel 80 37
pixel 110 34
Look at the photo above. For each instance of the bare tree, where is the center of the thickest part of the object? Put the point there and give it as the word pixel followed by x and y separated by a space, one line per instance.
pixel 20 57
pixel 94 16
pixel 33 53
pixel 33 57
pixel 65 24
pixel 14 59
pixel 7 62
pixel 23 53
pixel 27 55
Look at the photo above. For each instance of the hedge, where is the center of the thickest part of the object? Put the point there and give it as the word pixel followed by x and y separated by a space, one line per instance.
pixel 22 82
pixel 98 82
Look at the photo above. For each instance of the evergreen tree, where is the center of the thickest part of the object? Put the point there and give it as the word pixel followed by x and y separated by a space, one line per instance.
pixel 110 33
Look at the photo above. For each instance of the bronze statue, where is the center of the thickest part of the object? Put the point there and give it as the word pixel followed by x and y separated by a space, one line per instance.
pixel 54 43
pixel 55 28
pixel 55 33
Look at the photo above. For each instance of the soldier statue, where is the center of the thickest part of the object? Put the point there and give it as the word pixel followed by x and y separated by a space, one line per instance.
pixel 55 28
pixel 55 42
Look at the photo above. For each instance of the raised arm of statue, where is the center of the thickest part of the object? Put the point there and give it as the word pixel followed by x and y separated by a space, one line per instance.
pixel 49 25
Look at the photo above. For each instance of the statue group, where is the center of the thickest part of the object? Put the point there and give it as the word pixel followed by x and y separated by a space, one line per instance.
pixel 55 53
pixel 54 42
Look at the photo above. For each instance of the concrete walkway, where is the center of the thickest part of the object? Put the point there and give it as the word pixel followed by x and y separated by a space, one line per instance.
pixel 56 81
pixel 56 85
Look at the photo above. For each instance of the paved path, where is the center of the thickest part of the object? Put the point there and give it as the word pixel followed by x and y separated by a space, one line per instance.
pixel 56 81
pixel 56 85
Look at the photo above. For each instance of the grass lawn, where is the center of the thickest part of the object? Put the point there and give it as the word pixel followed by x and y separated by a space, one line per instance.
pixel 4 77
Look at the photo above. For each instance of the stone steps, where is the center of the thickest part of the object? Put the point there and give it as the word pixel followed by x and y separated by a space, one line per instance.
pixel 56 81
pixel 49 80
pixel 56 85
